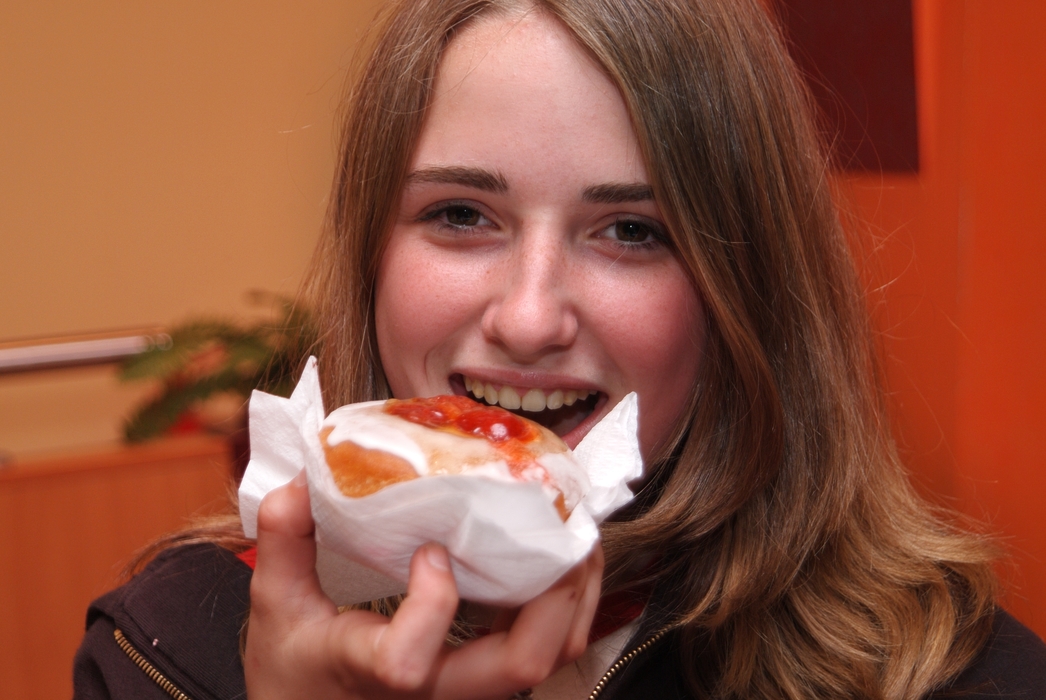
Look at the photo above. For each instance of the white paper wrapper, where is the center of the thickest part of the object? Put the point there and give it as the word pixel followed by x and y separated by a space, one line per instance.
pixel 506 541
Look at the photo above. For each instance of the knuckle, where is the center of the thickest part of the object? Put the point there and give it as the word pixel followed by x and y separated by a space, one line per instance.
pixel 574 648
pixel 262 603
pixel 528 672
pixel 443 597
pixel 398 674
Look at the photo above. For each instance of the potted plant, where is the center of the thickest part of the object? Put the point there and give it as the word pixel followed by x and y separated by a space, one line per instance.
pixel 209 368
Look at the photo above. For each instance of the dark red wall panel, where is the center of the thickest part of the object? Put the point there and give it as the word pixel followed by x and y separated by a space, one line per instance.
pixel 859 58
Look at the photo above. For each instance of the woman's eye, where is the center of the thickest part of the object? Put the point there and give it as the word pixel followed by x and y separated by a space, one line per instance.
pixel 632 233
pixel 462 216
pixel 457 217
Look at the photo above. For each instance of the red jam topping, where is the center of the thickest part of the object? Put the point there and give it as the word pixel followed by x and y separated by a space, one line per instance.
pixel 457 414
pixel 509 433
pixel 463 415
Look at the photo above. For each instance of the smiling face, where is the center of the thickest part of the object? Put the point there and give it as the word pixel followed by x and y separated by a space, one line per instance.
pixel 528 261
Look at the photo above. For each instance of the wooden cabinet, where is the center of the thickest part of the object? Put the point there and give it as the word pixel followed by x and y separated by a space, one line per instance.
pixel 69 524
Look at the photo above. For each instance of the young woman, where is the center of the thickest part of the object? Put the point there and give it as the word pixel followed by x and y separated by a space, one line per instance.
pixel 551 197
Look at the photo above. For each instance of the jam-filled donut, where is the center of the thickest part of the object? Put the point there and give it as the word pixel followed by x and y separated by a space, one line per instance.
pixel 372 445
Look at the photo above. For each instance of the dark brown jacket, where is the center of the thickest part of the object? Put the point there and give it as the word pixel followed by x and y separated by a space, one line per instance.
pixel 175 628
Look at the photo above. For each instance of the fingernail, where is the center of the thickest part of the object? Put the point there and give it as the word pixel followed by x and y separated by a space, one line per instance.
pixel 300 479
pixel 437 557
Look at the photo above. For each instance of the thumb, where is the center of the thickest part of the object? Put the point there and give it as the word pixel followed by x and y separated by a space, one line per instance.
pixel 285 575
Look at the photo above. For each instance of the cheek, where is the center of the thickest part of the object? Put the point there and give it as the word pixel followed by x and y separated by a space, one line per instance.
pixel 418 307
pixel 657 345
pixel 399 315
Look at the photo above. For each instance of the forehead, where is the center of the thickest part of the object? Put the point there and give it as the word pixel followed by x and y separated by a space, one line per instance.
pixel 521 82
pixel 510 44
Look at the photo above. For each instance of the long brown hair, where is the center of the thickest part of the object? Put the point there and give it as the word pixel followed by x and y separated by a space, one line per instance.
pixel 801 562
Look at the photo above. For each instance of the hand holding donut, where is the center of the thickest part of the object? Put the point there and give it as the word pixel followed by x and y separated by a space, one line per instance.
pixel 299 646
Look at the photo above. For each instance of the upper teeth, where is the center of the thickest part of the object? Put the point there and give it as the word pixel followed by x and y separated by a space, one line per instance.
pixel 532 400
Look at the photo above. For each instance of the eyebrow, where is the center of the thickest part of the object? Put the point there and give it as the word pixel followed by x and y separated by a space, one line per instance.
pixel 613 193
pixel 488 181
pixel 477 178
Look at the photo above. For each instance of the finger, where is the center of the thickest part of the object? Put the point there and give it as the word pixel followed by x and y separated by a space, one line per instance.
pixel 504 663
pixel 577 638
pixel 504 620
pixel 544 625
pixel 285 574
pixel 407 649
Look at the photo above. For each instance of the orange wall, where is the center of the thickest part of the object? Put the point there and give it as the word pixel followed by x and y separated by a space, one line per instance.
pixel 160 159
pixel 955 255
pixel 157 161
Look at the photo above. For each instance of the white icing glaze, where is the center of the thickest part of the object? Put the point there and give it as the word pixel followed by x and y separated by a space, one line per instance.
pixel 374 430
pixel 440 452
pixel 428 451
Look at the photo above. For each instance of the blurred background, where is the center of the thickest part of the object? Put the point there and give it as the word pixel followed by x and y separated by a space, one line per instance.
pixel 159 161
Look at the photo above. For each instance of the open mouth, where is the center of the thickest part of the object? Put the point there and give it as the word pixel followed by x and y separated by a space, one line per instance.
pixel 561 411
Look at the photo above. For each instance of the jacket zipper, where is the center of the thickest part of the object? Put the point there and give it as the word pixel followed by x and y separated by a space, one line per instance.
pixel 150 670
pixel 174 692
pixel 622 662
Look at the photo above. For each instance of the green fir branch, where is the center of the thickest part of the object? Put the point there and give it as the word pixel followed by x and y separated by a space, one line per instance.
pixel 211 356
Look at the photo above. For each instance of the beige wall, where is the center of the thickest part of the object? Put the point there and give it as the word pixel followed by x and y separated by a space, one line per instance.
pixel 157 160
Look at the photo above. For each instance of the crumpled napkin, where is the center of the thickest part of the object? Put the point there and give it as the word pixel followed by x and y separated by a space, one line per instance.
pixel 506 541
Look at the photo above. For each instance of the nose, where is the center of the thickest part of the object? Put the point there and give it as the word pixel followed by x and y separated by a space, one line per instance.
pixel 534 312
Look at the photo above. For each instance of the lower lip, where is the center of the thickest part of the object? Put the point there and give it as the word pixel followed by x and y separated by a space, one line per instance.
pixel 574 437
